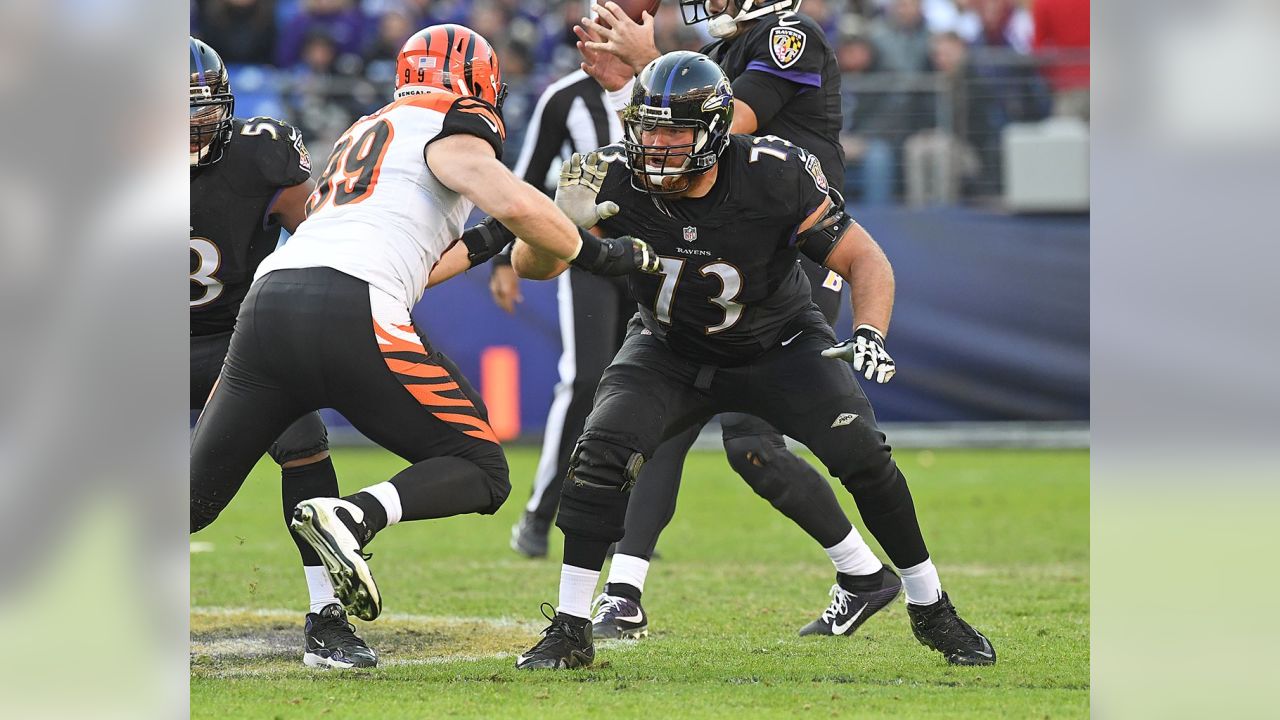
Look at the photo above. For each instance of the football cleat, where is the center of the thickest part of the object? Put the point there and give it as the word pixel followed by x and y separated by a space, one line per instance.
pixel 529 536
pixel 329 525
pixel 938 626
pixel 567 644
pixel 848 610
pixel 331 641
pixel 619 618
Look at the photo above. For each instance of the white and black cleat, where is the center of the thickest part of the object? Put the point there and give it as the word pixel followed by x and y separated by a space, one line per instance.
pixel 619 618
pixel 320 524
pixel 849 610
pixel 331 642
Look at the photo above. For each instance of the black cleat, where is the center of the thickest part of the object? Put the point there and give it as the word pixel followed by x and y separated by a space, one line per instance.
pixel 529 536
pixel 848 610
pixel 939 627
pixel 619 618
pixel 567 644
pixel 330 526
pixel 331 641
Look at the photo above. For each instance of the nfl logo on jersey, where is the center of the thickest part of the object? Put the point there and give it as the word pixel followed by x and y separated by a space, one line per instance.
pixel 690 233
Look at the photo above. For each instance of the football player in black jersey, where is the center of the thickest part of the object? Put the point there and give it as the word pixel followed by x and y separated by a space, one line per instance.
pixel 786 82
pixel 729 326
pixel 249 178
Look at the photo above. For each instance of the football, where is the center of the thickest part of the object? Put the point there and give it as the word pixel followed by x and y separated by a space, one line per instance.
pixel 634 8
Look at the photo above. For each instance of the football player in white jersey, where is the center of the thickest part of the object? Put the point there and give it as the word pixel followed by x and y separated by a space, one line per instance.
pixel 327 324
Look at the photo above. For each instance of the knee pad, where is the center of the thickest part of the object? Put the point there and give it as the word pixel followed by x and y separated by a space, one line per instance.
pixel 499 488
pixel 601 473
pixel 757 459
pixel 304 438
pixel 203 513
pixel 866 463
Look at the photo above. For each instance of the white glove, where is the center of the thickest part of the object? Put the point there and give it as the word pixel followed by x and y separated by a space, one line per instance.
pixel 580 181
pixel 866 352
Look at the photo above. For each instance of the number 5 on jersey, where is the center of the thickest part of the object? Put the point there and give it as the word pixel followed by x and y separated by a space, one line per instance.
pixel 352 170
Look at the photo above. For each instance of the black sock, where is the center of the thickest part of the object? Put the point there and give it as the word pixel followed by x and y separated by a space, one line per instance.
pixel 631 592
pixel 861 583
pixel 303 482
pixel 375 516
pixel 584 553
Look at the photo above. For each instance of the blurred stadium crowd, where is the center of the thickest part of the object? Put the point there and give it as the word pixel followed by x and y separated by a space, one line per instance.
pixel 929 85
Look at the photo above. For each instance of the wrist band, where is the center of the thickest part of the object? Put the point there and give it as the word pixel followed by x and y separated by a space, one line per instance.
pixel 620 98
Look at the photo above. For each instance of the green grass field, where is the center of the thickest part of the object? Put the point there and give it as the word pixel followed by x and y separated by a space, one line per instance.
pixel 1009 531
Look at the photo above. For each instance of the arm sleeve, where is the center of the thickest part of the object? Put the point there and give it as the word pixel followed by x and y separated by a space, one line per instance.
pixel 473 116
pixel 784 61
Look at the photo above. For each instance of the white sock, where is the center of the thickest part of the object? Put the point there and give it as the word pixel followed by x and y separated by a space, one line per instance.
pixel 922 583
pixel 851 556
pixel 630 570
pixel 319 587
pixel 389 498
pixel 577 589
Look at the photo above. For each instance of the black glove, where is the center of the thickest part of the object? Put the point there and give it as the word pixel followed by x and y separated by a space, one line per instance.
pixel 615 256
pixel 486 239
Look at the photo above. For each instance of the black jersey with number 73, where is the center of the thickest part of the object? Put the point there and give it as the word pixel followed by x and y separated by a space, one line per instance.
pixel 730 284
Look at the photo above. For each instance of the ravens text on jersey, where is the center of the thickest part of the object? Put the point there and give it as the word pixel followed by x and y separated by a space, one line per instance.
pixel 730 285
pixel 232 229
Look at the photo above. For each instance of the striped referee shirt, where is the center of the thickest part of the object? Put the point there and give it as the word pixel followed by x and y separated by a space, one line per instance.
pixel 572 116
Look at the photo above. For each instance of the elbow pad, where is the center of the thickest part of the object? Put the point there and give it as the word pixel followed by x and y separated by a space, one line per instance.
pixel 486 239
pixel 818 241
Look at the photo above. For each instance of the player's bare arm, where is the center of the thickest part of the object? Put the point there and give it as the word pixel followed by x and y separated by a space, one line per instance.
pixel 466 164
pixel 744 119
pixel 290 205
pixel 857 258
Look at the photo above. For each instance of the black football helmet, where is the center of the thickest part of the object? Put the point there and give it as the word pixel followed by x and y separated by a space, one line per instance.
pixel 725 23
pixel 681 89
pixel 212 105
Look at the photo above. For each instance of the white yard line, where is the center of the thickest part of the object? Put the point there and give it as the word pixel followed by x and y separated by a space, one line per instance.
pixel 287 614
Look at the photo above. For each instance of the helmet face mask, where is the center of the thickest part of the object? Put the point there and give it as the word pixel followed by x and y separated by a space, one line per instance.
pixel 677 123
pixel 212 105
pixel 451 58
pixel 724 22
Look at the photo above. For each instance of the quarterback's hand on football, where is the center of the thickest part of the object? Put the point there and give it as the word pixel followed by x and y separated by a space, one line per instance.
pixel 866 352
pixel 580 182
pixel 615 33
pixel 615 256
pixel 609 72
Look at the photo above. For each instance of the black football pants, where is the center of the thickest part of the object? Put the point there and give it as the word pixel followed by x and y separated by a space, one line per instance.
pixel 313 338
pixel 650 394
pixel 757 452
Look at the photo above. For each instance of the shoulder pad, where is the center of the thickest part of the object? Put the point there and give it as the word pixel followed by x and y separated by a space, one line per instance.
pixel 277 148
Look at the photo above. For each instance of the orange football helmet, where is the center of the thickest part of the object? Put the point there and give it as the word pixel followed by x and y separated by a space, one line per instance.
pixel 451 58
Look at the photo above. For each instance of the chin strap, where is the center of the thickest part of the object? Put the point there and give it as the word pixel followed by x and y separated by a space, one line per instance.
pixel 724 26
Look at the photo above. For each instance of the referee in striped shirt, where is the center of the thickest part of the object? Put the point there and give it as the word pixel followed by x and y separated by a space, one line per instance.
pixel 573 115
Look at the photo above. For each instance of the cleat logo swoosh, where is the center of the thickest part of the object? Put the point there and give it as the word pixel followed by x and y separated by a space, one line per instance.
pixel 629 618
pixel 842 628
pixel 983 654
